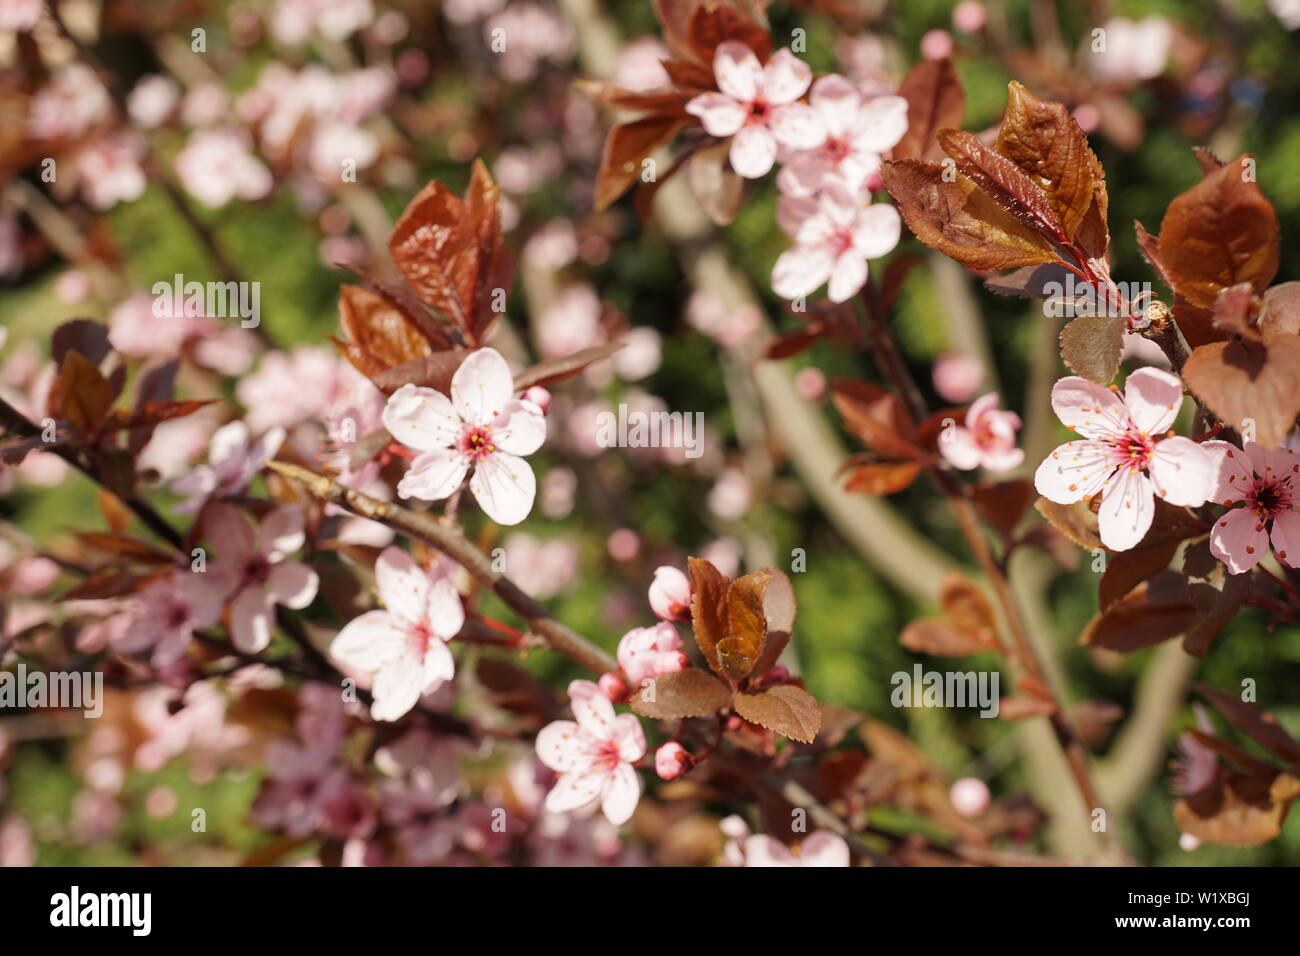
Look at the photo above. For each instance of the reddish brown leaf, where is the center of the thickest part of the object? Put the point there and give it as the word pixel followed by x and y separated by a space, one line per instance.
pixel 1091 345
pixel 948 212
pixel 782 708
pixel 875 417
pixel 433 371
pixel 708 607
pixel 690 692
pixel 935 100
pixel 1022 708
pixel 379 328
pixel 1245 379
pixel 1215 595
pixel 882 478
pixel 1154 611
pixel 1076 522
pixel 556 370
pixel 1127 569
pixel 85 396
pixel 739 650
pixel 1259 725
pixel 1002 504
pixel 1002 181
pixel 968 609
pixel 1237 810
pixel 628 145
pixel 940 639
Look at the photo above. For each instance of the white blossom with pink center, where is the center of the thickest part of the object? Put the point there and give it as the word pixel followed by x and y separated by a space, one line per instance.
pixel 1123 456
pixel 234 458
pixel 109 170
pixel 856 131
pixel 986 440
pixel 1264 481
pixel 259 564
pixel 403 646
pixel 594 756
pixel 757 107
pixel 480 426
pixel 834 236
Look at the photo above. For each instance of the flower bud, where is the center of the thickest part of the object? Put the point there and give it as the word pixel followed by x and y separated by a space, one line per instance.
pixel 613 687
pixel 672 760
pixel 539 397
pixel 969 796
pixel 670 594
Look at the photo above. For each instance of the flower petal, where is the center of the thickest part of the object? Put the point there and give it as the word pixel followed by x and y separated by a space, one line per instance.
pixel 250 620
pixel 1239 540
pixel 1183 472
pixel 1090 409
pixel 398 687
pixel 434 475
pixel 753 151
pixel 801 270
pixel 1074 471
pixel 402 584
pixel 281 532
pixel 561 746
pixel 594 712
pixel 1127 507
pixel 621 792
pixel 292 584
pixel 576 790
pixel 439 665
pixel 881 123
pixel 229 532
pixel 848 275
pixel 824 848
pixel 369 642
pixel 422 418
pixel 877 231
pixel 519 429
pixel 1153 397
pixel 444 611
pixel 504 487
pixel 719 114
pixel 1286 538
pixel 482 387
pixel 837 100
pixel 785 77
pixel 737 70
pixel 798 126
pixel 629 737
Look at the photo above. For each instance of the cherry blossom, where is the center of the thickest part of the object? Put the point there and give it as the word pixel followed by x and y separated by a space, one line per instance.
pixel 833 235
pixel 1263 480
pixel 259 564
pixel 1135 50
pixel 216 166
pixel 855 132
pixel 672 760
pixel 403 646
pixel 234 458
pixel 593 756
pixel 479 426
pixel 819 849
pixel 670 594
pixel 986 440
pixel 166 614
pixel 757 107
pixel 1122 456
pixel 647 652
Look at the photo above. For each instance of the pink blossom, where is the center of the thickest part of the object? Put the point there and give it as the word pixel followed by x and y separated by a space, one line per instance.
pixel 757 107
pixel 969 16
pixel 1134 50
pixel 670 594
pixel 293 21
pixel 834 236
pixel 987 440
pixel 969 796
pixel 292 387
pixel 855 132
pixel 672 760
pixel 1196 765
pixel 936 44
pixel 216 166
pixel 109 170
pixel 647 652
pixel 404 646
pixel 234 458
pixel 594 756
pixel 19 15
pixel 820 849
pixel 541 570
pixel 258 562
pixel 481 426
pixel 731 495
pixel 152 100
pixel 640 65
pixel 957 377
pixel 69 105
pixel 1263 480
pixel 1122 456
pixel 301 779
pixel 168 612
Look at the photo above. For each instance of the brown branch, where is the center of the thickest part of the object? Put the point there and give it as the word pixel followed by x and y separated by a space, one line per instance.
pixel 451 542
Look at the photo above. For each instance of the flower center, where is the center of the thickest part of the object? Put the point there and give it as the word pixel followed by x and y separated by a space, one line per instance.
pixel 419 636
pixel 837 149
pixel 1133 449
pixel 1270 497
pixel 759 111
pixel 476 442
pixel 176 616
pixel 605 755
pixel 257 569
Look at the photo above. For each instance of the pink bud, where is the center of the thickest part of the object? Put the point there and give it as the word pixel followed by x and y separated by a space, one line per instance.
pixel 936 45
pixel 969 16
pixel 670 594
pixel 1087 116
pixel 969 796
pixel 672 760
pixel 810 383
pixel 957 377
pixel 539 397
pixel 613 687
